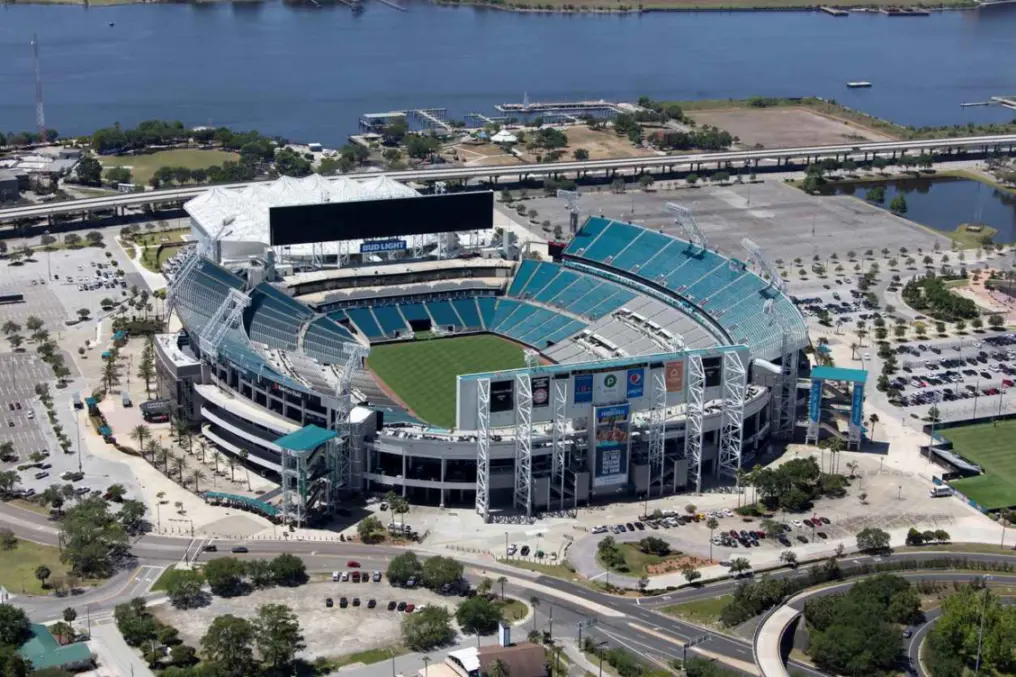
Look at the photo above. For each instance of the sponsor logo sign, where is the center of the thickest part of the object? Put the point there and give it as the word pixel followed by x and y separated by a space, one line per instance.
pixel 815 400
pixel 636 382
pixel 674 376
pixel 583 388
pixel 541 391
pixel 609 387
pixel 502 396
pixel 611 440
pixel 857 405
pixel 374 246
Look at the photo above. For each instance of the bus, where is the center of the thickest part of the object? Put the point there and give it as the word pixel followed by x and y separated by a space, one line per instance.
pixel 940 491
pixel 77 401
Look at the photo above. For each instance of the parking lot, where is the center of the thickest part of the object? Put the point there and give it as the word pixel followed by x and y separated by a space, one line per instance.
pixel 21 414
pixel 960 377
pixel 328 631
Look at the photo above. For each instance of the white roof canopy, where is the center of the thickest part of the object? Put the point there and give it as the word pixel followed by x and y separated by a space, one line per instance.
pixel 241 215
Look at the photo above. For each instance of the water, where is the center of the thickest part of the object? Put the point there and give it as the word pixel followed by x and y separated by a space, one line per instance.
pixel 308 74
pixel 944 204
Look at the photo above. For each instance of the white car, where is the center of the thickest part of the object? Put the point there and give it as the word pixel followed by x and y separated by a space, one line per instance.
pixel 345 576
pixel 512 549
pixel 599 529
pixel 728 512
pixel 335 576
pixel 797 523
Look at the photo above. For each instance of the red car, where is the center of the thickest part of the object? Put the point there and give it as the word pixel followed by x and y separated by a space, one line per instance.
pixel 410 608
pixel 733 532
pixel 353 564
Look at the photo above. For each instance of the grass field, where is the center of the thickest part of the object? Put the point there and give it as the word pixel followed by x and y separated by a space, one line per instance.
pixel 637 561
pixel 17 567
pixel 700 611
pixel 422 373
pixel 143 166
pixel 992 447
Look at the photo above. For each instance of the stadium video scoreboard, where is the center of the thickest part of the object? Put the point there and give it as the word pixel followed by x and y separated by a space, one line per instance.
pixel 382 222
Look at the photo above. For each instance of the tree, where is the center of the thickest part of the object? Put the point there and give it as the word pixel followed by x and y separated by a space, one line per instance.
pixel 9 481
pixel 403 567
pixel 13 625
pixel 89 171
pixel 654 545
pixel 712 523
pixel 277 635
pixel 229 643
pixel 898 205
pixel 288 570
pixel 184 588
pixel 427 629
pixel 439 571
pixel 224 576
pixel 498 668
pixel 94 540
pixel 116 492
pixel 119 175
pixel 478 615
pixel 70 614
pixel 182 655
pixel 690 573
pixel 42 573
pixel 646 181
pixel 739 564
pixel 8 541
pixel 370 529
pixel 789 557
pixel 581 154
pixel 872 540
pixel 501 580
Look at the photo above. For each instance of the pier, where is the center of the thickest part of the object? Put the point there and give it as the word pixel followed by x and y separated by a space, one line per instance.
pixel 834 11
pixel 1007 101
pixel 416 119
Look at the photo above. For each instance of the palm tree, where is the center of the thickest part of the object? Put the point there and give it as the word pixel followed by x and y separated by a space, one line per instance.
pixel 426 664
pixel 739 476
pixel 853 351
pixel 163 454
pixel 852 466
pixel 501 581
pixel 836 445
pixel 197 476
pixel 535 603
pixel 140 434
pixel 711 524
pixel 216 457
pixel 497 668
pixel 232 467
pixel 203 445
pixel 179 463
pixel 873 419
pixel 244 456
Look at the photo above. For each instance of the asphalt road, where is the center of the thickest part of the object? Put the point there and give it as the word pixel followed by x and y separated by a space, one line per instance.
pixel 637 624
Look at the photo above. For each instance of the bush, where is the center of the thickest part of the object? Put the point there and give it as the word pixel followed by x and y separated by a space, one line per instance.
pixel 478 615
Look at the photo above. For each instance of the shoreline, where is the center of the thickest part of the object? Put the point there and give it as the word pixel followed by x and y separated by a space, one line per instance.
pixel 860 7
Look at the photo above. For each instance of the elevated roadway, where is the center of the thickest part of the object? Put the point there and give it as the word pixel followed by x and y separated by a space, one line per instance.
pixel 665 163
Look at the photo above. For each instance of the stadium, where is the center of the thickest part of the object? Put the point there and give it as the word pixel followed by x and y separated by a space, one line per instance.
pixel 348 337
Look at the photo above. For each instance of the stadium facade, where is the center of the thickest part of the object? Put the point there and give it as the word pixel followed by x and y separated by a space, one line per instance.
pixel 653 362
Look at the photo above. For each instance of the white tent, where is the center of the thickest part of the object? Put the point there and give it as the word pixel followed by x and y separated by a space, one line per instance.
pixel 238 218
pixel 504 136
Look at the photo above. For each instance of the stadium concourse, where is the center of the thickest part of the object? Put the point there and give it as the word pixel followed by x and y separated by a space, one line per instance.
pixel 649 364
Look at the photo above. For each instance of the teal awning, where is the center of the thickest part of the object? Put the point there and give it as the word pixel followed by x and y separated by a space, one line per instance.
pixel 839 374
pixel 306 439
pixel 254 504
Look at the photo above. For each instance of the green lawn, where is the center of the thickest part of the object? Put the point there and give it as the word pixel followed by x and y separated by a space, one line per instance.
pixel 143 166
pixel 17 567
pixel 152 258
pixel 700 611
pixel 366 657
pixel 512 609
pixel 637 561
pixel 994 449
pixel 422 373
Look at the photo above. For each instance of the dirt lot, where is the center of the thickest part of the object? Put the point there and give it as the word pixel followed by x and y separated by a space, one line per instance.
pixel 785 127
pixel 327 632
pixel 482 155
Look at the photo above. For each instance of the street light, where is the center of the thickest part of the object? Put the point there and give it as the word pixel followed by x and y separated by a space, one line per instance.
pixel 599 651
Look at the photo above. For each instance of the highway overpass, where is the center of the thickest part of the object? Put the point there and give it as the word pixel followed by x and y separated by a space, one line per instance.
pixel 663 163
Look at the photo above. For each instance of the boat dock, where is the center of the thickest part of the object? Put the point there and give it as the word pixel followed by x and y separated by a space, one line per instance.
pixel 834 11
pixel 897 11
pixel 1007 101
pixel 416 119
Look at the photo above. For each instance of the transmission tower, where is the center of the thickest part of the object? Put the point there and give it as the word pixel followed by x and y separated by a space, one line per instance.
pixel 40 113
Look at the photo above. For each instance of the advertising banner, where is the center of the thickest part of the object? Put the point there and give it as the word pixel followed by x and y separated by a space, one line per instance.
pixel 372 246
pixel 815 400
pixel 608 387
pixel 610 443
pixel 502 396
pixel 636 382
pixel 675 376
pixel 541 391
pixel 857 405
pixel 583 388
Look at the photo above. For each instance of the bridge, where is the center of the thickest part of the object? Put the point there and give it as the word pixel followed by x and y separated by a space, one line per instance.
pixel 665 163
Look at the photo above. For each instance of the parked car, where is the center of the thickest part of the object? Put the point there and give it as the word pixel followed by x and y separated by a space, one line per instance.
pixel 377 576
pixel 343 602
pixel 410 608
pixel 356 601
pixel 525 550
pixel 401 606
pixel 392 605
pixel 329 602
pixel 371 603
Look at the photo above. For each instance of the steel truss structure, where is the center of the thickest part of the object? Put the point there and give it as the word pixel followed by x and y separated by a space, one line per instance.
pixel 294 487
pixel 229 315
pixel 572 199
pixel 695 412
pixel 786 419
pixel 524 443
pixel 685 221
pixel 175 284
pixel 483 448
pixel 735 385
pixel 657 429
pixel 340 457
pixel 756 254
pixel 559 403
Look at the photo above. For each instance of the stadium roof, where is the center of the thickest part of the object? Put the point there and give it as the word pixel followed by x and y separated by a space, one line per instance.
pixel 307 438
pixel 839 374
pixel 242 215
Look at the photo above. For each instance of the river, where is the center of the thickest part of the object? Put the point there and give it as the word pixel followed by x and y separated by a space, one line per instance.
pixel 308 73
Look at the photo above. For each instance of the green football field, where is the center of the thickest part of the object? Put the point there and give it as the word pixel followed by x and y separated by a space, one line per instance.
pixel 422 373
pixel 993 447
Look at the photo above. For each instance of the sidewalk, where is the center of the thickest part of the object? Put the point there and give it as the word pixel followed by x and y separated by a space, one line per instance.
pixel 113 652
